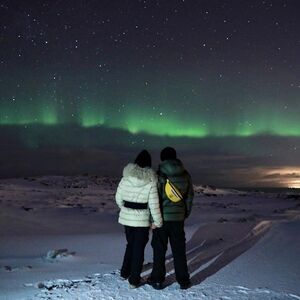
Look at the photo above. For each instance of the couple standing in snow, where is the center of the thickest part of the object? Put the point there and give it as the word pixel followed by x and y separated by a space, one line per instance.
pixel 161 201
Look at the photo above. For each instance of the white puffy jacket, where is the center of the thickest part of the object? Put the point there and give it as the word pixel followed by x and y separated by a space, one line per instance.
pixel 138 185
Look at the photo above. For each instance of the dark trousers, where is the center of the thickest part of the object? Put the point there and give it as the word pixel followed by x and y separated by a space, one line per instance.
pixel 174 231
pixel 137 238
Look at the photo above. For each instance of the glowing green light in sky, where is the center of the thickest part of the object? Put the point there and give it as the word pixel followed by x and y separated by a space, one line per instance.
pixel 42 114
pixel 164 126
pixel 160 123
pixel 48 115
pixel 91 117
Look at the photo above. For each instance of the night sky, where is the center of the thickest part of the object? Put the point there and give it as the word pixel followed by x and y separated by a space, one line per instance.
pixel 85 85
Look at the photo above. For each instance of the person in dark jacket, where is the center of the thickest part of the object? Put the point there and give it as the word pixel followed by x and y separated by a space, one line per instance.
pixel 174 215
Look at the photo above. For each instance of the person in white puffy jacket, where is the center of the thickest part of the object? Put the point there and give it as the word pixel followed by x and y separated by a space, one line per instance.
pixel 138 200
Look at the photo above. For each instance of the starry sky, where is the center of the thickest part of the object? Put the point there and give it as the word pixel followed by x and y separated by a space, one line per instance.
pixel 100 80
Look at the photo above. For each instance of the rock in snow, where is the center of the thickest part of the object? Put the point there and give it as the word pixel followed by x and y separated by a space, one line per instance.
pixel 52 254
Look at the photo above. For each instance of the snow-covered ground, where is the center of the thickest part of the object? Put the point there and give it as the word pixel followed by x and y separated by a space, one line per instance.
pixel 240 245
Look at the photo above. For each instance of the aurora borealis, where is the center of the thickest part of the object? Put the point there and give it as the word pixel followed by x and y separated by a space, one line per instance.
pixel 219 80
pixel 163 114
pixel 203 124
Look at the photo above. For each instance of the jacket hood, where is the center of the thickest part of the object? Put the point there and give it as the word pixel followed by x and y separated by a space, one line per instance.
pixel 172 167
pixel 139 175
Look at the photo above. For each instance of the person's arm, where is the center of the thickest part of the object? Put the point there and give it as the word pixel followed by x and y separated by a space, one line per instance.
pixel 190 196
pixel 118 195
pixel 154 206
pixel 161 183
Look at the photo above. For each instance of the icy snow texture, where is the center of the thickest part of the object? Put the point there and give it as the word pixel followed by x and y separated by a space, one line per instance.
pixel 110 286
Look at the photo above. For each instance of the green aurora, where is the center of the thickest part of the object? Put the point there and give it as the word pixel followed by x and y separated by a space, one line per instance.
pixel 160 124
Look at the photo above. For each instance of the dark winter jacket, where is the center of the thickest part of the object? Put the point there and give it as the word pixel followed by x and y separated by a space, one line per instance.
pixel 174 170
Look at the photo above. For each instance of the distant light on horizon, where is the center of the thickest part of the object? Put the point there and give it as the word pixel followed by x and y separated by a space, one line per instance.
pixel 295 184
pixel 287 176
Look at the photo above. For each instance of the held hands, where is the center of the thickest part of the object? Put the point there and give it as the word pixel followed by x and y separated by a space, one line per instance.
pixel 152 226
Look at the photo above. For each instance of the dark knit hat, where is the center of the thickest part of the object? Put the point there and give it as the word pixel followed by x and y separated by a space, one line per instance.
pixel 168 153
pixel 143 159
